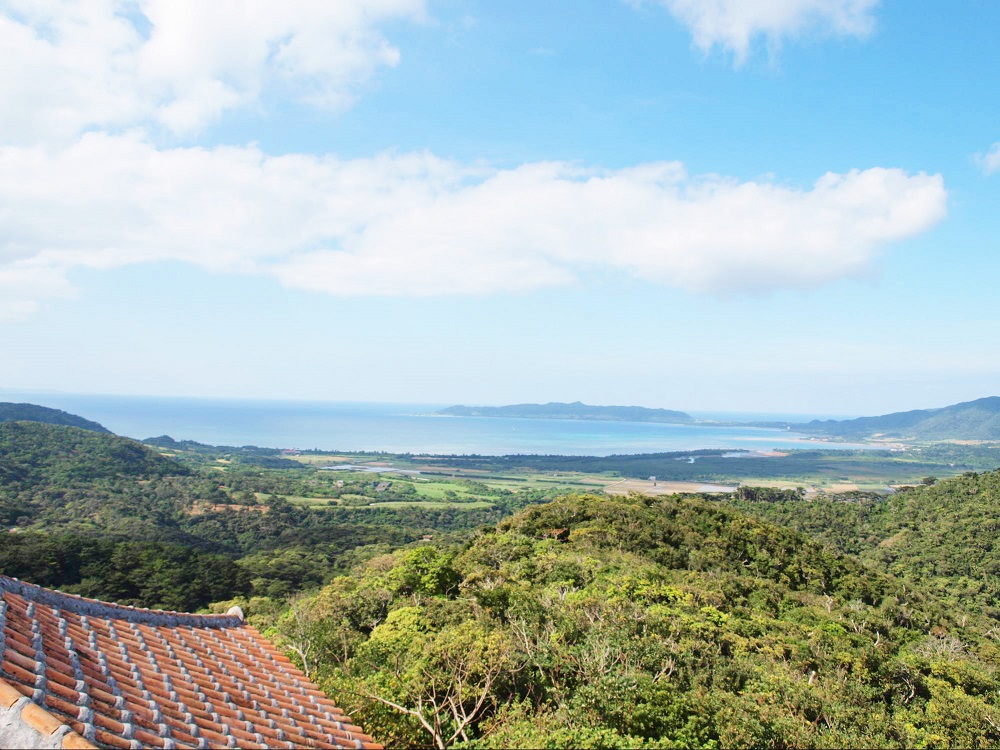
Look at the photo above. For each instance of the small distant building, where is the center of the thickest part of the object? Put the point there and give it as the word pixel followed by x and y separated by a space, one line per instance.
pixel 383 486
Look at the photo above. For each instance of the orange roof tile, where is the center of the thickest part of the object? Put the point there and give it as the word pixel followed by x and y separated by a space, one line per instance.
pixel 127 678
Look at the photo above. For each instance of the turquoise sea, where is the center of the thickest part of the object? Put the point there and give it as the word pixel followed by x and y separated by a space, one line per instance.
pixel 401 428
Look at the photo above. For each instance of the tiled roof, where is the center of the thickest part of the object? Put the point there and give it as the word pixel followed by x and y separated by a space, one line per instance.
pixel 126 678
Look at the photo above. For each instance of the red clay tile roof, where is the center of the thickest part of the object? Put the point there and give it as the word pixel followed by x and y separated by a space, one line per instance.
pixel 124 677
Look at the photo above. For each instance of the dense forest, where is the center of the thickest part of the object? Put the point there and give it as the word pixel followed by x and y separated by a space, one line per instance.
pixel 943 536
pixel 643 622
pixel 451 612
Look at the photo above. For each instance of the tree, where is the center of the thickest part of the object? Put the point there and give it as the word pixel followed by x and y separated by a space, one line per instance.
pixel 447 680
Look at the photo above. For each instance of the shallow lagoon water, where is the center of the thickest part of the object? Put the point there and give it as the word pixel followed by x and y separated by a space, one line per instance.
pixel 397 428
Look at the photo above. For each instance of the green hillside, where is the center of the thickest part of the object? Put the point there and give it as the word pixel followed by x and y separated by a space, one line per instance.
pixel 644 622
pixel 34 454
pixel 11 412
pixel 972 420
pixel 63 480
pixel 96 514
pixel 111 518
pixel 944 538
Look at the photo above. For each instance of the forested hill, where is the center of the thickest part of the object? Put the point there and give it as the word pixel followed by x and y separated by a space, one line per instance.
pixel 575 410
pixel 11 412
pixel 107 517
pixel 943 537
pixel 972 420
pixel 646 622
pixel 33 454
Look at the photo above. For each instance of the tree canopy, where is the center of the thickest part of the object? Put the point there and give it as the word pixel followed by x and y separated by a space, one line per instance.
pixel 642 622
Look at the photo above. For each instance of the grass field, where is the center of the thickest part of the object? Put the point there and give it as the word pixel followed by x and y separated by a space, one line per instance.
pixel 324 459
pixel 437 490
pixel 312 502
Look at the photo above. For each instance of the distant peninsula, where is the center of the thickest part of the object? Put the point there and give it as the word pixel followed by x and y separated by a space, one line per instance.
pixel 575 410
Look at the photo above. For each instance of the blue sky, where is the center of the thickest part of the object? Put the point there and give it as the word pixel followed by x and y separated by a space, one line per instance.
pixel 757 205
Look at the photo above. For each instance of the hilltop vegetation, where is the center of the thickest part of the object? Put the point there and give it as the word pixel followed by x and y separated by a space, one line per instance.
pixel 33 455
pixel 943 537
pixel 642 622
pixel 11 412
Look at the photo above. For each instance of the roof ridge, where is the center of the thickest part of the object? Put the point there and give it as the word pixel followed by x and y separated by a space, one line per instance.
pixel 96 608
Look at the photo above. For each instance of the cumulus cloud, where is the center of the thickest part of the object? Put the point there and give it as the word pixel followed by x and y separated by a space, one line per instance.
pixel 734 25
pixel 85 83
pixel 70 65
pixel 418 225
pixel 990 161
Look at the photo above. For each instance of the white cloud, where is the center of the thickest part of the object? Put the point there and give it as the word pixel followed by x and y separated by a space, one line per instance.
pixel 417 225
pixel 990 161
pixel 733 25
pixel 23 285
pixel 70 65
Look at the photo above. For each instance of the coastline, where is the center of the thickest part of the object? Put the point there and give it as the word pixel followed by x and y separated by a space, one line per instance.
pixel 406 428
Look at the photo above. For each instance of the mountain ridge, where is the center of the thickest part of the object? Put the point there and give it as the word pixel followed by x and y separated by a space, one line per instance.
pixel 969 420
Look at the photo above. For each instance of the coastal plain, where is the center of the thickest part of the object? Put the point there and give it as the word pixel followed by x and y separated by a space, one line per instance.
pixel 459 481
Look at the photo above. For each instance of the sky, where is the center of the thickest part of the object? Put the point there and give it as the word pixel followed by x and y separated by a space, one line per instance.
pixel 730 205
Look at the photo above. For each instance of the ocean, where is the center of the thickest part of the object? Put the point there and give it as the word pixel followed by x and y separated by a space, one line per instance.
pixel 400 428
